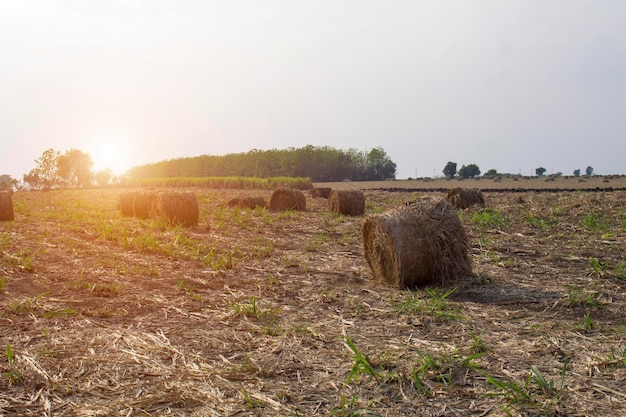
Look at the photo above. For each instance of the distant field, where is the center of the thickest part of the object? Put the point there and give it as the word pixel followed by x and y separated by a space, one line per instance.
pixel 526 183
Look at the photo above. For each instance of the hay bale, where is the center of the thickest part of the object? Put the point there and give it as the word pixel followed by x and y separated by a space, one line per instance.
pixel 321 192
pixel 418 245
pixel 6 206
pixel 284 199
pixel 144 204
pixel 247 202
pixel 125 201
pixel 179 208
pixel 351 203
pixel 462 198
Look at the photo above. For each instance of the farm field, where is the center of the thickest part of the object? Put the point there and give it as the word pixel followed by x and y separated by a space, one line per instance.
pixel 255 313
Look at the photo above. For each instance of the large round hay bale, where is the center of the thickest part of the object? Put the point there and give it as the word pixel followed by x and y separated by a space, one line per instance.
pixel 321 192
pixel 125 200
pixel 179 208
pixel 351 203
pixel 284 199
pixel 144 204
pixel 418 245
pixel 247 202
pixel 462 198
pixel 6 206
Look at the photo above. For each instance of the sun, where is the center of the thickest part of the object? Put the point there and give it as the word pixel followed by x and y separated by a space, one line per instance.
pixel 110 150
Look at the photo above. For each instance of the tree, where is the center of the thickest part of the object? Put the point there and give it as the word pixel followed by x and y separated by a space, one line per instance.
pixel 450 170
pixel 103 177
pixel 44 175
pixel 589 171
pixel 492 173
pixel 379 166
pixel 469 171
pixel 577 172
pixel 75 168
pixel 540 171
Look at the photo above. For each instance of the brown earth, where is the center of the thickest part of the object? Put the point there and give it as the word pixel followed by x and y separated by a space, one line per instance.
pixel 265 314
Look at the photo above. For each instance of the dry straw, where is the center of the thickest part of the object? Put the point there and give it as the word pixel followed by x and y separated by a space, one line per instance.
pixel 125 201
pixel 247 202
pixel 179 208
pixel 351 203
pixel 144 204
pixel 321 192
pixel 462 198
pixel 417 245
pixel 6 206
pixel 284 199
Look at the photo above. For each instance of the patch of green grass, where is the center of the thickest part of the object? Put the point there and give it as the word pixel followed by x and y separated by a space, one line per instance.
pixel 587 323
pixel 3 281
pixel 434 304
pixel 593 222
pixel 350 408
pixel 535 221
pixel 489 218
pixel 250 308
pixel 615 358
pixel 26 306
pixel 536 393
pixel 578 297
pixel 13 375
pixel 362 363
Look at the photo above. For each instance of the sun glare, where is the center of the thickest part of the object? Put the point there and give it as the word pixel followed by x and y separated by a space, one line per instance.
pixel 110 151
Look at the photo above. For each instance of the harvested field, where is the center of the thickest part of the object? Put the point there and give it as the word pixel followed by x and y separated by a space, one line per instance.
pixel 260 313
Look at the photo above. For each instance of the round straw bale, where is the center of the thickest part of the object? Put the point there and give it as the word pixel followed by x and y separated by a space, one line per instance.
pixel 321 192
pixel 6 206
pixel 284 199
pixel 418 245
pixel 179 208
pixel 462 198
pixel 125 201
pixel 247 202
pixel 144 204
pixel 351 203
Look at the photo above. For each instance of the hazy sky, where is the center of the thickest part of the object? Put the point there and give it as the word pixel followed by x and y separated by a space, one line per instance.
pixel 506 84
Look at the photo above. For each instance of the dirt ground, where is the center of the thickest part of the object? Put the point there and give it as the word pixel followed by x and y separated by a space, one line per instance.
pixel 255 313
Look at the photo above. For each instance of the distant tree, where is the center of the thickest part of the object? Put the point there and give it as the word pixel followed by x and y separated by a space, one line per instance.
pixel 379 166
pixel 104 177
pixel 589 171
pixel 491 173
pixel 450 170
pixel 44 175
pixel 469 171
pixel 540 171
pixel 577 172
pixel 74 167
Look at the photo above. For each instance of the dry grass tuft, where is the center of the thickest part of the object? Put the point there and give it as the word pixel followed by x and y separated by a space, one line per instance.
pixel 418 245
pixel 284 199
pixel 351 203
pixel 462 198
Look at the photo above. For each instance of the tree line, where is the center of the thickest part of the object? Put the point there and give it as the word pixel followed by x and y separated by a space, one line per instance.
pixel 74 168
pixel 472 170
pixel 318 163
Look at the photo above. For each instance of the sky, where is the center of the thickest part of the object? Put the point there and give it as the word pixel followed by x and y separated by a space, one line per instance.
pixel 510 85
